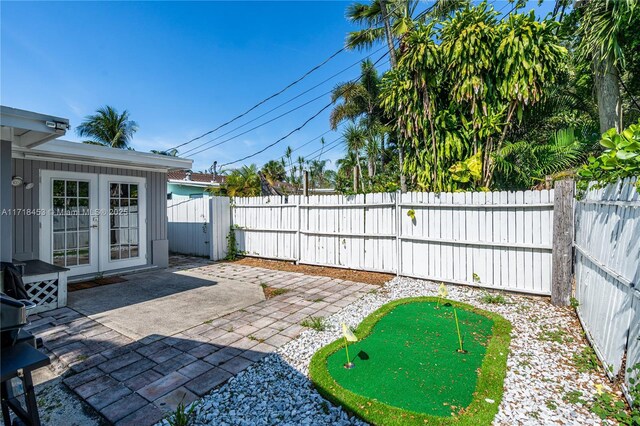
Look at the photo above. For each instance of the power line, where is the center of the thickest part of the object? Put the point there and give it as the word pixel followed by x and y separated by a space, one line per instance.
pixel 251 129
pixel 305 75
pixel 291 132
pixel 277 93
pixel 273 109
pixel 281 139
pixel 334 143
pixel 306 143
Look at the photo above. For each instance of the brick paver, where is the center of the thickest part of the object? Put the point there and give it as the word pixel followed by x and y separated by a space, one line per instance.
pixel 137 382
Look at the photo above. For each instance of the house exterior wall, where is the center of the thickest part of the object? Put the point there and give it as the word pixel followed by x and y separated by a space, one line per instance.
pixel 26 228
pixel 5 201
pixel 178 189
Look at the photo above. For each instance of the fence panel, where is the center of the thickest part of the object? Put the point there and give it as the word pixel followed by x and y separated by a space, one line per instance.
pixel 607 249
pixel 356 232
pixel 489 239
pixel 220 226
pixel 494 239
pixel 188 226
pixel 267 226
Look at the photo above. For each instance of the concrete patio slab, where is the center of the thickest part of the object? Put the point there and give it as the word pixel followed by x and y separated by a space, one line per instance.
pixel 168 335
pixel 163 302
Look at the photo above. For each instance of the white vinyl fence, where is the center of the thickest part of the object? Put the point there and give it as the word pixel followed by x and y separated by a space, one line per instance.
pixel 490 239
pixel 607 270
pixel 188 227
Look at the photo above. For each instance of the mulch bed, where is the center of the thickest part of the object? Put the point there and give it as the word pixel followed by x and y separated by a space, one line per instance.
pixel 375 278
pixel 95 283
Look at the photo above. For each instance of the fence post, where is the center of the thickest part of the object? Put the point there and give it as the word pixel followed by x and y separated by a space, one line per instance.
pixel 562 255
pixel 398 233
pixel 298 233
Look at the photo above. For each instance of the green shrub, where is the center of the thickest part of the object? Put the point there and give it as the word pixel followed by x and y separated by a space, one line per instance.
pixel 620 159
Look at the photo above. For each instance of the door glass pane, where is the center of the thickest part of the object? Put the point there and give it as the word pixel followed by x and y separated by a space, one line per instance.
pixel 58 258
pixel 83 239
pixel 58 222
pixel 83 189
pixel 123 221
pixel 58 188
pixel 72 240
pixel 58 240
pixel 71 222
pixel 72 188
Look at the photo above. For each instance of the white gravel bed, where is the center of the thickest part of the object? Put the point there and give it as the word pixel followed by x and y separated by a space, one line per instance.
pixel 540 368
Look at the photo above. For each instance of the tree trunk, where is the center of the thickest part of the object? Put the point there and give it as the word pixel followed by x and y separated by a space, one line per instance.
pixel 403 178
pixel 608 94
pixel 355 178
pixel 371 169
pixel 387 30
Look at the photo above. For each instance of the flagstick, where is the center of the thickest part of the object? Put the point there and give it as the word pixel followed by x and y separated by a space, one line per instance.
pixel 349 364
pixel 455 313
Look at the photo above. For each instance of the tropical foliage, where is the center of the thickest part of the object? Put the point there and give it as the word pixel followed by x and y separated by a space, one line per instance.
pixel 242 182
pixel 108 127
pixel 475 99
pixel 620 159
pixel 459 98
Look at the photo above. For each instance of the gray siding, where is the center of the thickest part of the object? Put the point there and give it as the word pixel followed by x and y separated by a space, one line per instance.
pixel 25 228
pixel 5 200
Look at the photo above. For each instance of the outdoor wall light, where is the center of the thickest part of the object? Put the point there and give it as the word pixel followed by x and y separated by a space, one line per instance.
pixel 17 181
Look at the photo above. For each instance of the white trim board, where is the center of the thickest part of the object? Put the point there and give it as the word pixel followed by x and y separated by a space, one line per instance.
pixel 80 153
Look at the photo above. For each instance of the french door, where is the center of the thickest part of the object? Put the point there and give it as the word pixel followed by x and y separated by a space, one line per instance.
pixel 92 223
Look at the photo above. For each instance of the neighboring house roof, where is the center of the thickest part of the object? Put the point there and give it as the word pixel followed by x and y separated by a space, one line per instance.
pixel 31 135
pixel 187 178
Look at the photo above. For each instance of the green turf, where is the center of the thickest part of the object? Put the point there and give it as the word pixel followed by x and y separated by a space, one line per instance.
pixel 409 360
pixel 407 371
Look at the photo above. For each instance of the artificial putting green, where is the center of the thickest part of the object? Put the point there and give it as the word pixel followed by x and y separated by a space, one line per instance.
pixel 409 359
pixel 407 369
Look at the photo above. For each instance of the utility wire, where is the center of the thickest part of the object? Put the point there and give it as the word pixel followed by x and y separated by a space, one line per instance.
pixel 305 75
pixel 189 151
pixel 279 140
pixel 291 132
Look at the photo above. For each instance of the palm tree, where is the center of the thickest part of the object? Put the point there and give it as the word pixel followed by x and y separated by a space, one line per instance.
pixel 317 171
pixel 274 171
pixel 301 169
pixel 287 155
pixel 242 182
pixel 355 137
pixel 601 29
pixel 348 166
pixel 108 128
pixel 372 151
pixel 359 99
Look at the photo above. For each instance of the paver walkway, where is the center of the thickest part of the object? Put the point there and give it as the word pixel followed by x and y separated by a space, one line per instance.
pixel 137 382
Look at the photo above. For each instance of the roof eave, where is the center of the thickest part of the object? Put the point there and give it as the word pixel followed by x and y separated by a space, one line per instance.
pixel 72 151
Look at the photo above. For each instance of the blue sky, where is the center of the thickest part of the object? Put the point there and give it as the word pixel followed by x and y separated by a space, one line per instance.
pixel 180 68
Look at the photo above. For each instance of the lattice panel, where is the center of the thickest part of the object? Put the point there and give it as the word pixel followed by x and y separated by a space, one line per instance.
pixel 43 292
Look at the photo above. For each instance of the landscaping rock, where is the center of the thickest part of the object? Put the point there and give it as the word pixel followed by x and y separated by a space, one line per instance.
pixel 540 375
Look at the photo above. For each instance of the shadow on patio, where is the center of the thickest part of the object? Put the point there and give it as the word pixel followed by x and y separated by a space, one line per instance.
pixel 163 302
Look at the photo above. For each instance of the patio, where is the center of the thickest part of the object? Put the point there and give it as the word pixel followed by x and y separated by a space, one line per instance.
pixel 137 374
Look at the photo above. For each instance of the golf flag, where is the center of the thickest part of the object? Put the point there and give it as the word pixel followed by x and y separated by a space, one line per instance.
pixel 442 291
pixel 348 334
